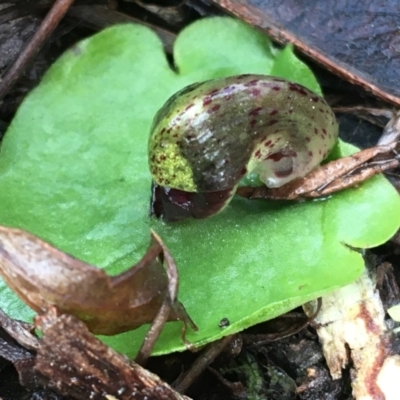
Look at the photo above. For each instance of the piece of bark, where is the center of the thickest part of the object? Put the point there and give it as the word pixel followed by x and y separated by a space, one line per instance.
pixel 352 330
pixel 13 36
pixel 74 363
pixel 20 331
pixel 357 41
pixel 21 358
pixel 47 26
pixel 16 345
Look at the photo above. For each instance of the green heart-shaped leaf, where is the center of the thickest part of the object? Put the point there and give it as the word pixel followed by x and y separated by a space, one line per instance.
pixel 73 170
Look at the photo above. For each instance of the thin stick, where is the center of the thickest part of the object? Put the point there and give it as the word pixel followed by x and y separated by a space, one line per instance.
pixel 201 363
pixel 48 25
pixel 163 313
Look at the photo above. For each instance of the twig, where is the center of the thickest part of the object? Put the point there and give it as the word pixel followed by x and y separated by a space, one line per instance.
pixel 165 309
pixel 201 363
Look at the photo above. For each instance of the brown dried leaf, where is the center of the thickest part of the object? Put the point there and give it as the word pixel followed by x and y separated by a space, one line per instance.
pixel 44 276
pixel 331 177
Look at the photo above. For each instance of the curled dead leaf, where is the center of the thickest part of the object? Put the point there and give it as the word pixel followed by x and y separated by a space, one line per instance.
pixel 44 276
pixel 332 177
pixel 342 173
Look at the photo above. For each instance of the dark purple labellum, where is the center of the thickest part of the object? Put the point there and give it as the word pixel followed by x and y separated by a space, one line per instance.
pixel 176 205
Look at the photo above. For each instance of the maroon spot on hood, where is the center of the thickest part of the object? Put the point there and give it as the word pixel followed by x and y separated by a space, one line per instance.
pixel 255 111
pixel 207 101
pixel 214 108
